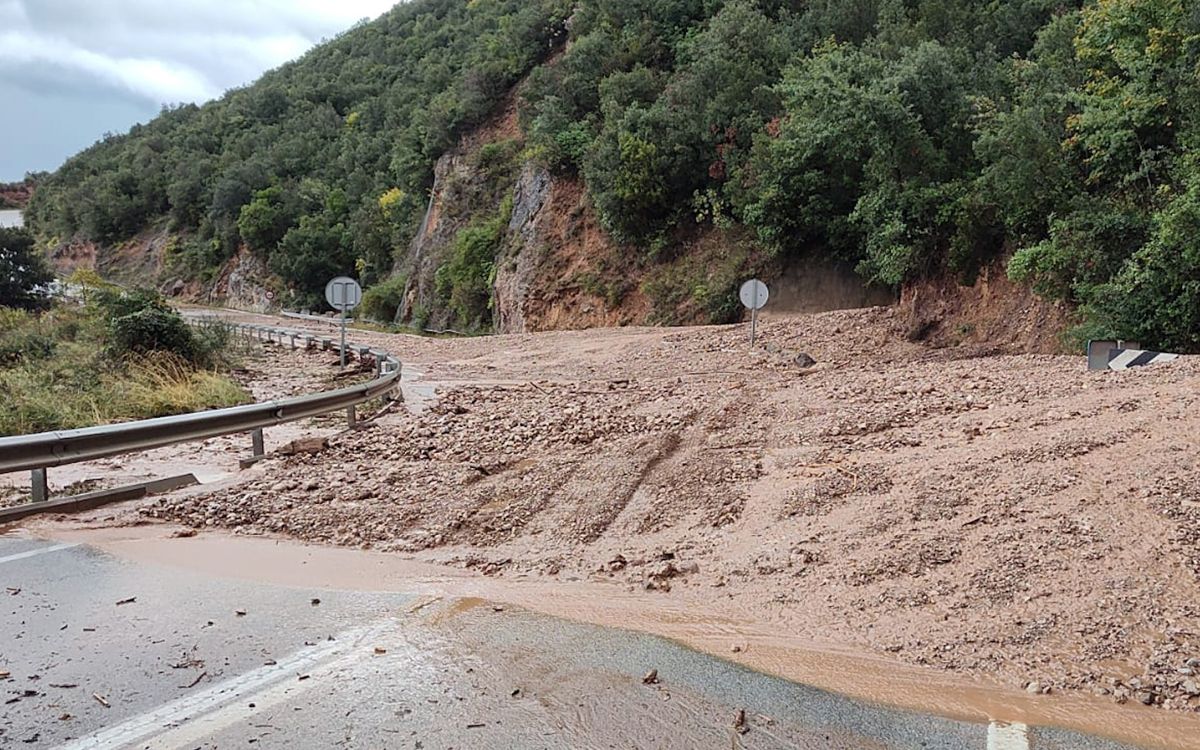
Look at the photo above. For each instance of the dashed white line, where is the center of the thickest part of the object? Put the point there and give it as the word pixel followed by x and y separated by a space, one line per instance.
pixel 36 552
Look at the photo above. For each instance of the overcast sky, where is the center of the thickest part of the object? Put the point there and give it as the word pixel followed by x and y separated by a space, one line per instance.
pixel 72 70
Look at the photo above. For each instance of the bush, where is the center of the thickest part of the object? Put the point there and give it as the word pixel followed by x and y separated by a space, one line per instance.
pixel 22 338
pixel 152 330
pixel 465 281
pixel 23 272
pixel 76 366
pixel 114 302
pixel 382 301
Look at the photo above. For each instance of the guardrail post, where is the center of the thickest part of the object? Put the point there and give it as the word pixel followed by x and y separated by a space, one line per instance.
pixel 256 440
pixel 41 489
pixel 351 417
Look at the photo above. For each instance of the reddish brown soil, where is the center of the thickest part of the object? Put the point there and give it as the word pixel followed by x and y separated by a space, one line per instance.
pixel 1011 517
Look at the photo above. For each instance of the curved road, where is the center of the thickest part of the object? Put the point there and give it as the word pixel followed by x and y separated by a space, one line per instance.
pixel 104 653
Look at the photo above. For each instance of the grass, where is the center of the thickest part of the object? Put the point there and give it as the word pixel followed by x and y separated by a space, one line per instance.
pixel 56 374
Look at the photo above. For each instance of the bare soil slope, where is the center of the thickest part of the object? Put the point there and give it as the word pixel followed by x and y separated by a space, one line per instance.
pixel 1010 516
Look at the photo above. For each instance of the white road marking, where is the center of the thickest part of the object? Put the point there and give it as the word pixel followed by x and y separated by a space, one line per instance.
pixel 192 733
pixel 1007 736
pixel 170 717
pixel 36 552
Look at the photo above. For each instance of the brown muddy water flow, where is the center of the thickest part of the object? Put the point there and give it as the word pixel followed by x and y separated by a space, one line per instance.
pixel 824 666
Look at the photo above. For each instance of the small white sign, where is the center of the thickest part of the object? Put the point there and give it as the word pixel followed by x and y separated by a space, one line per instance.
pixel 343 293
pixel 754 294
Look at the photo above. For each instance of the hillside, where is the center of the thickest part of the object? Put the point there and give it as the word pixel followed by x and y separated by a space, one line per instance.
pixel 15 194
pixel 564 163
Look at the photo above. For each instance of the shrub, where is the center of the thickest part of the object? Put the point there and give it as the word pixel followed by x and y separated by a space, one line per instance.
pixel 382 301
pixel 114 302
pixel 465 280
pixel 23 271
pixel 152 330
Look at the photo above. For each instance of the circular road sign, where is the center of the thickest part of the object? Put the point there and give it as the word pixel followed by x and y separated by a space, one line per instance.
pixel 754 294
pixel 343 293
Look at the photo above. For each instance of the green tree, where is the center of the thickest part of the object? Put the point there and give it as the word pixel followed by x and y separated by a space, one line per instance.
pixel 23 271
pixel 264 221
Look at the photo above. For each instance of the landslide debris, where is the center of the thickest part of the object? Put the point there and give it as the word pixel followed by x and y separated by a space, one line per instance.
pixel 1005 515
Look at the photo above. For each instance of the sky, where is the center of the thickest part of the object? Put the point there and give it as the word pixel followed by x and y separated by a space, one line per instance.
pixel 73 70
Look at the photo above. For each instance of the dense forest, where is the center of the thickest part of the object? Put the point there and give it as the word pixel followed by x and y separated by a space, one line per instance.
pixel 912 138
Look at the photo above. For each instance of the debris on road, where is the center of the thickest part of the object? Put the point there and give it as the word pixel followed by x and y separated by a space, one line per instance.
pixel 189 660
pixel 101 700
pixel 739 721
pixel 650 678
pixel 130 600
pixel 305 446
pixel 898 494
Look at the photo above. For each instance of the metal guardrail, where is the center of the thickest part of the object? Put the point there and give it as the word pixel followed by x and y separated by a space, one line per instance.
pixel 38 452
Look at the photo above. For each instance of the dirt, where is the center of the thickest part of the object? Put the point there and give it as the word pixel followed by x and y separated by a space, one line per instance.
pixel 687 617
pixel 992 310
pixel 1013 518
pixel 16 194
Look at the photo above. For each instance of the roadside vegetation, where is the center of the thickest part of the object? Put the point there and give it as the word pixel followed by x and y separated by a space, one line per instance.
pixel 911 138
pixel 122 355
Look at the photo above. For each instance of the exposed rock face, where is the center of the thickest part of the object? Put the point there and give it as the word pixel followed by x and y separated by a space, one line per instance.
pixel 137 262
pixel 243 284
pixel 454 181
pixel 516 272
pixel 16 194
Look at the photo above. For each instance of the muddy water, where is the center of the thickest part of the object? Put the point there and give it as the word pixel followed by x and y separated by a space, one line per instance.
pixel 821 665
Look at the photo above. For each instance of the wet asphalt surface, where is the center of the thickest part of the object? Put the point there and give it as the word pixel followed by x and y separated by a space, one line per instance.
pixel 98 652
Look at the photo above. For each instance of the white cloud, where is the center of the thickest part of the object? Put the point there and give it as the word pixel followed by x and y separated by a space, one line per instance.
pixel 181 51
pixel 72 69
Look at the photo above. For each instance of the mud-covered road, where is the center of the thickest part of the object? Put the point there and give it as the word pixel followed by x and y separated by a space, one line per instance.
pixel 105 651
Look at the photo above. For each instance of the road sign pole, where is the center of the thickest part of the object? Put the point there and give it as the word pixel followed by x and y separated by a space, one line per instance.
pixel 343 340
pixel 754 295
pixel 343 294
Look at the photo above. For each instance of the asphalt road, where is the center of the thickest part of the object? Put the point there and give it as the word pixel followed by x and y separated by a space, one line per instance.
pixel 103 653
